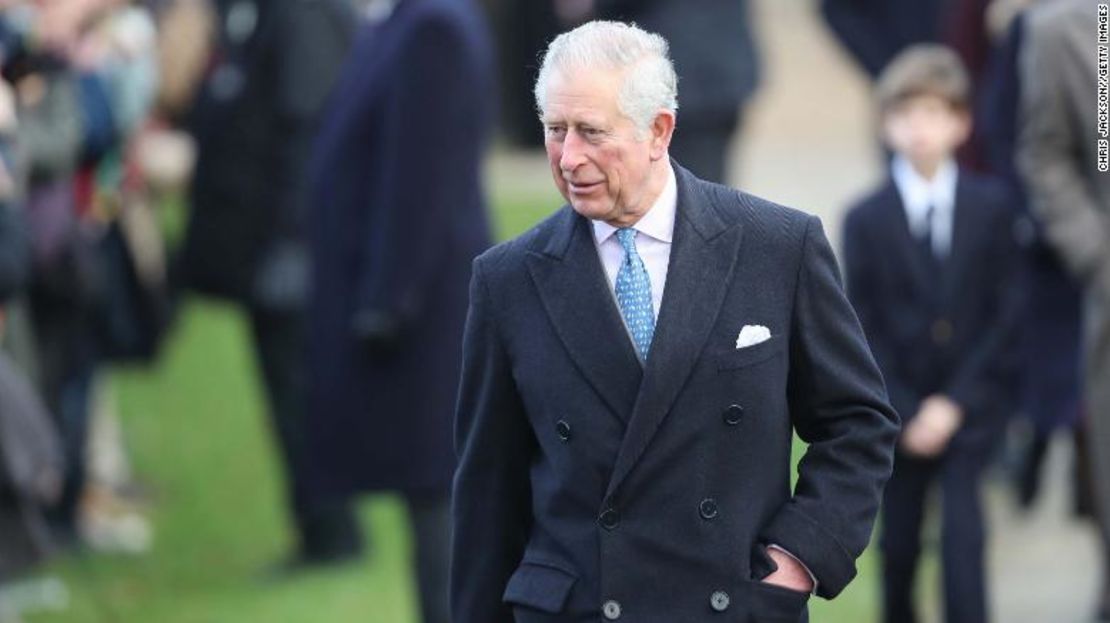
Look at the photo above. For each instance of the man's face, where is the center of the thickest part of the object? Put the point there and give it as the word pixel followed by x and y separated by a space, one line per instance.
pixel 600 164
pixel 925 129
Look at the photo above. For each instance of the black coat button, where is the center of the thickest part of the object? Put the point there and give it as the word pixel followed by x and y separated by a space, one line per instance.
pixel 563 430
pixel 733 414
pixel 708 508
pixel 611 609
pixel 609 518
pixel 719 601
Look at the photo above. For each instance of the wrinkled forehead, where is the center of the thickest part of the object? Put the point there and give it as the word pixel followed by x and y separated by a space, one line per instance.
pixel 583 93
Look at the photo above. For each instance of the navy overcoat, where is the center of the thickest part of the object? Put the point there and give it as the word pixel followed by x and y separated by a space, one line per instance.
pixel 398 214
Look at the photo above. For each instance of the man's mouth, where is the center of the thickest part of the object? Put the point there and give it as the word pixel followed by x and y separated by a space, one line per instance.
pixel 582 187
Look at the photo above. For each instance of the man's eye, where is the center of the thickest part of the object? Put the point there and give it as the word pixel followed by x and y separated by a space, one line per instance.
pixel 591 132
pixel 555 130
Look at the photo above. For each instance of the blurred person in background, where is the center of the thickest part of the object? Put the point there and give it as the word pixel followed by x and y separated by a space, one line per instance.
pixel 256 111
pixel 115 57
pixel 31 461
pixel 522 29
pixel 933 269
pixel 1059 155
pixel 1050 393
pixel 85 77
pixel 398 214
pixel 59 125
pixel 715 56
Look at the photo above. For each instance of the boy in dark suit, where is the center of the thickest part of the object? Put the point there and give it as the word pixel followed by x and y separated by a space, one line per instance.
pixel 931 265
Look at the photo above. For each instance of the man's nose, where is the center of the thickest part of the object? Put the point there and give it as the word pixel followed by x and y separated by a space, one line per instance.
pixel 574 153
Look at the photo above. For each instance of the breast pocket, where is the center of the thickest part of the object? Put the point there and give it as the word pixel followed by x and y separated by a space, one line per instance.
pixel 751 355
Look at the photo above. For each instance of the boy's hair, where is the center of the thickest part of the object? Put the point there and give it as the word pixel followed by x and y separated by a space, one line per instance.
pixel 924 69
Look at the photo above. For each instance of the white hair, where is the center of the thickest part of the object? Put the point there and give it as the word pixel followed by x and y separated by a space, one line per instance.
pixel 650 83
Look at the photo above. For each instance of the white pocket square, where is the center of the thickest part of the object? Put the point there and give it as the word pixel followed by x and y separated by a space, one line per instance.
pixel 751 335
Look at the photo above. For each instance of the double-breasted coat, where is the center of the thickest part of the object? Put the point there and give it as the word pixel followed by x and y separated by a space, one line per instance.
pixel 592 487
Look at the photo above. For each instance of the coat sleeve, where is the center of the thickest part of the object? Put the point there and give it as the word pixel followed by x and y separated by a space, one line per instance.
pixel 492 492
pixel 839 407
pixel 1049 155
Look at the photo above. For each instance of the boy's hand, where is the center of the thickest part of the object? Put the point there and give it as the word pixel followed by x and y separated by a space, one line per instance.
pixel 929 432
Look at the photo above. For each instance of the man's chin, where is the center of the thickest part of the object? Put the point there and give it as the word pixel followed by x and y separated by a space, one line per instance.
pixel 592 210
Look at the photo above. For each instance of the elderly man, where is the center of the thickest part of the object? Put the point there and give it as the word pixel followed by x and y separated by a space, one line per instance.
pixel 634 368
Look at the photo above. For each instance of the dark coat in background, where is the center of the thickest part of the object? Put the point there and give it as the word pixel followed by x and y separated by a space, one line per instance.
pixel 717 64
pixel 522 30
pixel 875 31
pixel 257 112
pixel 1051 338
pixel 398 215
pixel 712 48
pixel 253 120
pixel 955 333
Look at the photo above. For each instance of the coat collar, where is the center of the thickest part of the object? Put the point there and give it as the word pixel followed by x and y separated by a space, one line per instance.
pixel 575 294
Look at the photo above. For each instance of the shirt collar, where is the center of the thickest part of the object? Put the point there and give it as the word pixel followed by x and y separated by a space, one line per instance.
pixel 917 192
pixel 657 222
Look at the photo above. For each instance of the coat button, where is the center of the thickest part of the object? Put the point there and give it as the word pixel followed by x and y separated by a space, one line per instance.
pixel 733 414
pixel 719 601
pixel 609 518
pixel 563 429
pixel 611 609
pixel 708 508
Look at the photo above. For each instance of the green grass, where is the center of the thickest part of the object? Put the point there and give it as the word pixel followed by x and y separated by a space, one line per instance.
pixel 200 443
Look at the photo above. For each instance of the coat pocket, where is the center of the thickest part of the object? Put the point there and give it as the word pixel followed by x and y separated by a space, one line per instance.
pixel 539 586
pixel 775 604
pixel 751 355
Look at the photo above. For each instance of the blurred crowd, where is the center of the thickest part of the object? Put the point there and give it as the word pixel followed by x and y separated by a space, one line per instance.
pixel 84 276
pixel 328 156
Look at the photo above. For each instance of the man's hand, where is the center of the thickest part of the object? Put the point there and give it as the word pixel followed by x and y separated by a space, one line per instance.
pixel 929 432
pixel 790 573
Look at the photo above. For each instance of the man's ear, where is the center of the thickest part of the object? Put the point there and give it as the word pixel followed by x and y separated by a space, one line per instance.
pixel 662 128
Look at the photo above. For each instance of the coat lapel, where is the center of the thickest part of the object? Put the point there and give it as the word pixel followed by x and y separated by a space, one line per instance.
pixel 962 224
pixel 576 295
pixel 703 258
pixel 924 279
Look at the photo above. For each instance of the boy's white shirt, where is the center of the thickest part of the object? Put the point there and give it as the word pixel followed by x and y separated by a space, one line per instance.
pixel 918 194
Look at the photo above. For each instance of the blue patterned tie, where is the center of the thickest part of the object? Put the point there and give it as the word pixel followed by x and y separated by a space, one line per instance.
pixel 633 291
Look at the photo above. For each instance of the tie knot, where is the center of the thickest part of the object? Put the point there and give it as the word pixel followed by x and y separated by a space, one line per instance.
pixel 627 237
